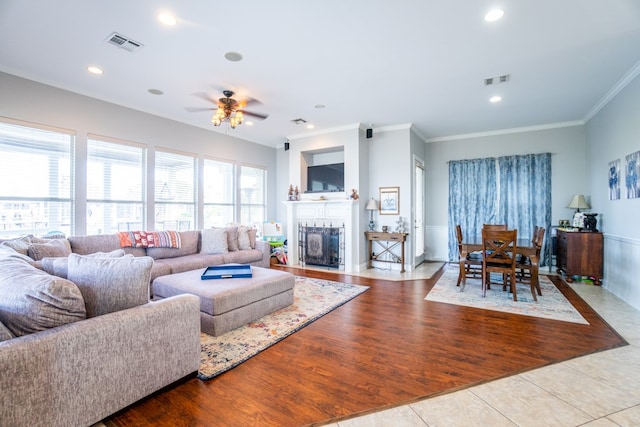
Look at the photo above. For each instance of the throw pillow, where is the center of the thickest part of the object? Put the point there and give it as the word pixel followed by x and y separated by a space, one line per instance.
pixel 232 238
pixel 32 300
pixel 52 248
pixel 20 244
pixel 244 238
pixel 214 241
pixel 111 284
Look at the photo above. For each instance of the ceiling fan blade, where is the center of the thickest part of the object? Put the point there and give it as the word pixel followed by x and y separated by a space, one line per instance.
pixel 199 109
pixel 249 101
pixel 206 97
pixel 256 115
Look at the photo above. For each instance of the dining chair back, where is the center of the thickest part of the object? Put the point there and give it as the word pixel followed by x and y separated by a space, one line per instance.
pixel 494 226
pixel 468 267
pixel 527 269
pixel 499 256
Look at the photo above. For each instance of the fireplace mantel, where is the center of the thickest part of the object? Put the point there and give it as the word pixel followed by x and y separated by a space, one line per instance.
pixel 329 211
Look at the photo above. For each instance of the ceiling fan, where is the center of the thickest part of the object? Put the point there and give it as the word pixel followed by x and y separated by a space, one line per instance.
pixel 228 109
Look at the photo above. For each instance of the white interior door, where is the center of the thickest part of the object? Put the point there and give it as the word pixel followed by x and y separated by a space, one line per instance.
pixel 418 226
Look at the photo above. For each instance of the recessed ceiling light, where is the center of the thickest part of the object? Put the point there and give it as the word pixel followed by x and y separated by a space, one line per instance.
pixel 233 56
pixel 248 123
pixel 310 126
pixel 156 92
pixel 167 19
pixel 95 70
pixel 495 98
pixel 494 15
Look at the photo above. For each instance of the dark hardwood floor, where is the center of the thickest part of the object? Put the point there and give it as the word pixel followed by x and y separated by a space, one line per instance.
pixel 384 348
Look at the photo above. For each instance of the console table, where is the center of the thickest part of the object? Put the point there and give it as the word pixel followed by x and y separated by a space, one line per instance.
pixel 385 242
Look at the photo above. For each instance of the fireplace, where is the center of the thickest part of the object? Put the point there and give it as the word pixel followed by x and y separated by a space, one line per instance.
pixel 321 245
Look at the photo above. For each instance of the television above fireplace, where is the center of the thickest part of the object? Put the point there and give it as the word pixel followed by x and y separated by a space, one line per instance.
pixel 324 178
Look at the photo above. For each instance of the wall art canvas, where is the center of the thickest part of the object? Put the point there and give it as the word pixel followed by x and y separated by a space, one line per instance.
pixel 632 171
pixel 614 180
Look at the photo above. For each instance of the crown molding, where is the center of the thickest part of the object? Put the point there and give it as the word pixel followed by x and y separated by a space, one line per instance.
pixel 508 131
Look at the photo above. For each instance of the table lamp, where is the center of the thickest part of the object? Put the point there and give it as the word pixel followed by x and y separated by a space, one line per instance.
pixel 578 202
pixel 372 205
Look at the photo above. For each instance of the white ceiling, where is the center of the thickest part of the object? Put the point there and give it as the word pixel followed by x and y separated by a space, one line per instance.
pixel 384 63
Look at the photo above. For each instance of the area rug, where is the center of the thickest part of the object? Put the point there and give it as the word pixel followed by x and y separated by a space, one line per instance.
pixel 312 299
pixel 551 305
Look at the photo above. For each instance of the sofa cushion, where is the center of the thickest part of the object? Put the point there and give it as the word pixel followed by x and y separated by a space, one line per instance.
pixel 32 300
pixel 242 257
pixel 214 241
pixel 111 284
pixel 52 248
pixel 188 246
pixel 7 251
pixel 5 333
pixel 85 245
pixel 59 266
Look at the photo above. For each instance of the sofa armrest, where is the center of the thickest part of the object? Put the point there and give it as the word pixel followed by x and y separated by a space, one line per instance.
pixel 265 248
pixel 80 373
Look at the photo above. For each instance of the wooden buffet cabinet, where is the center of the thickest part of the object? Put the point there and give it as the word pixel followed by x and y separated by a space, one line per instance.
pixel 579 253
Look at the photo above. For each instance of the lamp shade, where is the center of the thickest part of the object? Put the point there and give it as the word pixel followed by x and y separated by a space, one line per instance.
pixel 578 202
pixel 372 205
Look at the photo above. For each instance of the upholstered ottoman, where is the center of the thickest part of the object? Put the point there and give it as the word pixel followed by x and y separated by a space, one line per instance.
pixel 226 304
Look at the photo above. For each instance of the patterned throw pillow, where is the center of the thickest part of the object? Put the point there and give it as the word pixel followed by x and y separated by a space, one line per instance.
pixel 149 239
pixel 214 241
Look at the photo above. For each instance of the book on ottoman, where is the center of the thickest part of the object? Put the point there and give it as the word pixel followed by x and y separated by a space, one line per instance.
pixel 227 271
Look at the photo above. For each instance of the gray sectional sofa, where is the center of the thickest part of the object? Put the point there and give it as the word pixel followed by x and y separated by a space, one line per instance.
pixel 80 337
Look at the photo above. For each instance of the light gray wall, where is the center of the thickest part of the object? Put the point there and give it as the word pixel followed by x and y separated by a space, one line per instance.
pixel 613 133
pixel 33 102
pixel 568 169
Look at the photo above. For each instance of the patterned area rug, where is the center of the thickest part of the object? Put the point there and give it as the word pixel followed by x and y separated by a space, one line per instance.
pixel 312 299
pixel 551 305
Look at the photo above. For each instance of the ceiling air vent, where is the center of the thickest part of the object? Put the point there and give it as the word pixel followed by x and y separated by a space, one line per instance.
pixel 123 42
pixel 496 80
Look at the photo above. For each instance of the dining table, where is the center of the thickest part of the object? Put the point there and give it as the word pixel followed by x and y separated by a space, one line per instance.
pixel 524 247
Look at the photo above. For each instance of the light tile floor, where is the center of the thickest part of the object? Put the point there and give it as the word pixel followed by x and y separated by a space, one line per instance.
pixel 598 390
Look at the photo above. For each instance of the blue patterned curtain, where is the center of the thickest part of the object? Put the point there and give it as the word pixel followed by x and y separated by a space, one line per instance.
pixel 472 197
pixel 512 190
pixel 525 195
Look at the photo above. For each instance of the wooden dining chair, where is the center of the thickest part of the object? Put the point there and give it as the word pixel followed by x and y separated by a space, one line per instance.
pixel 469 267
pixel 527 269
pixel 494 226
pixel 499 256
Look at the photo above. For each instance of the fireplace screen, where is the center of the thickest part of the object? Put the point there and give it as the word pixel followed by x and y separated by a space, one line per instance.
pixel 321 245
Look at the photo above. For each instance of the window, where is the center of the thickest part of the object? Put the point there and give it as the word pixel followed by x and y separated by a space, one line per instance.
pixel 219 200
pixel 36 180
pixel 175 195
pixel 116 176
pixel 252 194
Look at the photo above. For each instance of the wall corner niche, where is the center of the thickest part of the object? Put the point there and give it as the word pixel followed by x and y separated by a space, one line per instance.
pixel 322 173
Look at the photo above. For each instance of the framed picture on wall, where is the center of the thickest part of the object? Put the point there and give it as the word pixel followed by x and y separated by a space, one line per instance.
pixel 614 180
pixel 389 200
pixel 631 176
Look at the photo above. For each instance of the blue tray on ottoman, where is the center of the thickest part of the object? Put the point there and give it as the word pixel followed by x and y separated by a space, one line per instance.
pixel 227 271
